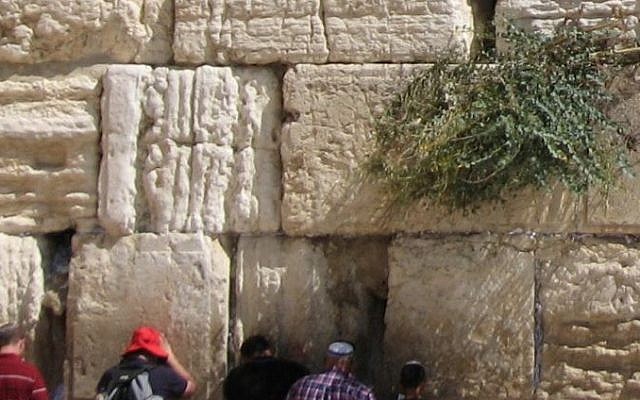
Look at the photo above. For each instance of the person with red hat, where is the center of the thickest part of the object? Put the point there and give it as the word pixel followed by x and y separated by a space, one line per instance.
pixel 150 350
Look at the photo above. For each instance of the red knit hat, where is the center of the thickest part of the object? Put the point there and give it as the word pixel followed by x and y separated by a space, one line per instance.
pixel 147 339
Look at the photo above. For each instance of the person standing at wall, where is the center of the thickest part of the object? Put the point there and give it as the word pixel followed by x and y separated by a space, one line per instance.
pixel 149 349
pixel 261 376
pixel 337 382
pixel 19 380
pixel 413 378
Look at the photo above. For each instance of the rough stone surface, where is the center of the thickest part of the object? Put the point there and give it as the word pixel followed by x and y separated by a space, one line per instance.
pixel 35 31
pixel 397 31
pixel 22 288
pixel 296 31
pixel 176 282
pixel 546 15
pixel 48 150
pixel 190 150
pixel 305 294
pixel 589 297
pixel 465 308
pixel 324 147
pixel 249 32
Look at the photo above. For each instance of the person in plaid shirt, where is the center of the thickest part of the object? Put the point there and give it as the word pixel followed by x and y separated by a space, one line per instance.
pixel 337 383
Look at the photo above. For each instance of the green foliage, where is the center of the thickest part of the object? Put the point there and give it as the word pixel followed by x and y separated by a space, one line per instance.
pixel 463 134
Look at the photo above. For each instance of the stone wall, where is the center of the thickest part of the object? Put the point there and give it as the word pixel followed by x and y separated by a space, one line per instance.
pixel 196 165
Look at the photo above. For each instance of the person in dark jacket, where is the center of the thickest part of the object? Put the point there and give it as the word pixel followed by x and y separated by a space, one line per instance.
pixel 261 375
pixel 148 348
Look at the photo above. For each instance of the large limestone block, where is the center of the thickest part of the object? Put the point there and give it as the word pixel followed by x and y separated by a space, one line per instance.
pixel 22 288
pixel 48 150
pixel 249 32
pixel 546 15
pixel 397 31
pixel 463 306
pixel 190 150
pixel 326 142
pixel 589 298
pixel 305 294
pixel 35 31
pixel 176 282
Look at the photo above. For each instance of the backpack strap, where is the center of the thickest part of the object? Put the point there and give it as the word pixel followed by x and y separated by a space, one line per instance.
pixel 123 378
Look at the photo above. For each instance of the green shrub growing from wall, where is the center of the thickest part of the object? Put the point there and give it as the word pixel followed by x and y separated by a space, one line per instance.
pixel 464 134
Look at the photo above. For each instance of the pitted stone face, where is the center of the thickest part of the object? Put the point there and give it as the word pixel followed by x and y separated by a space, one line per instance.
pixel 190 150
pixel 36 31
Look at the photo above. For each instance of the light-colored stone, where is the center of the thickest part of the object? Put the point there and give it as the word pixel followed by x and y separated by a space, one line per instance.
pixel 464 307
pixel 22 276
pixel 190 150
pixel 546 15
pixel 305 294
pixel 48 150
pixel 176 282
pixel 589 295
pixel 249 32
pixel 324 147
pixel 35 31
pixel 397 31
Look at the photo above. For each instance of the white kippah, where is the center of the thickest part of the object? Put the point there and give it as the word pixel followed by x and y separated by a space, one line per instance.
pixel 340 349
pixel 413 362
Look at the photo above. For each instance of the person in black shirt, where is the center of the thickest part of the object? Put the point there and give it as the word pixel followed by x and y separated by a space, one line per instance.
pixel 261 376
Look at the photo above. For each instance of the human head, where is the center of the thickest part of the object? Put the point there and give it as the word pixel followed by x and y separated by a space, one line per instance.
pixel 340 355
pixel 412 379
pixel 12 339
pixel 255 346
pixel 148 341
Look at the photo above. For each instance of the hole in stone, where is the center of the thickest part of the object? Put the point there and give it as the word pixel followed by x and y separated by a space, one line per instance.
pixel 49 347
pixel 484 39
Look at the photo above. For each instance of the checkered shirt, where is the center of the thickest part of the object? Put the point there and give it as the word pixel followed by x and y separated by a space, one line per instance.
pixel 330 385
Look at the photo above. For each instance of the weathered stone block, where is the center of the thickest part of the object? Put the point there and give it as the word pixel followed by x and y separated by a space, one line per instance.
pixel 190 150
pixel 464 307
pixel 176 282
pixel 254 32
pixel 305 294
pixel 545 15
pixel 397 31
pixel 324 147
pixel 66 30
pixel 589 295
pixel 22 288
pixel 48 151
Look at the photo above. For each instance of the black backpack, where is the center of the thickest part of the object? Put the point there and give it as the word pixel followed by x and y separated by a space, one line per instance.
pixel 130 384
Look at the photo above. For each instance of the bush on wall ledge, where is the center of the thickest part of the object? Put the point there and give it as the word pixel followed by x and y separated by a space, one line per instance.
pixel 464 134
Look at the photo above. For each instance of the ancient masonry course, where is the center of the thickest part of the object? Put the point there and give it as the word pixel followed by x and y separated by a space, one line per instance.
pixel 197 165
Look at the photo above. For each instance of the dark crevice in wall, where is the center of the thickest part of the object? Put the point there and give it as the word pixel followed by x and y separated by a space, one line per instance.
pixel 484 32
pixel 230 244
pixel 538 332
pixel 49 347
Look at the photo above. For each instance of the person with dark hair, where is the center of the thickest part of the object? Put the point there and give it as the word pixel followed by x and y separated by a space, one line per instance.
pixel 150 350
pixel 261 375
pixel 413 378
pixel 336 383
pixel 254 347
pixel 19 380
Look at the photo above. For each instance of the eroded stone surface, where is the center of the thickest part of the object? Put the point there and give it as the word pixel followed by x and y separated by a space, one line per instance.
pixel 589 295
pixel 176 282
pixel 270 31
pixel 48 151
pixel 397 31
pixel 22 277
pixel 37 31
pixel 249 32
pixel 545 15
pixel 464 308
pixel 190 150
pixel 325 145
pixel 305 294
